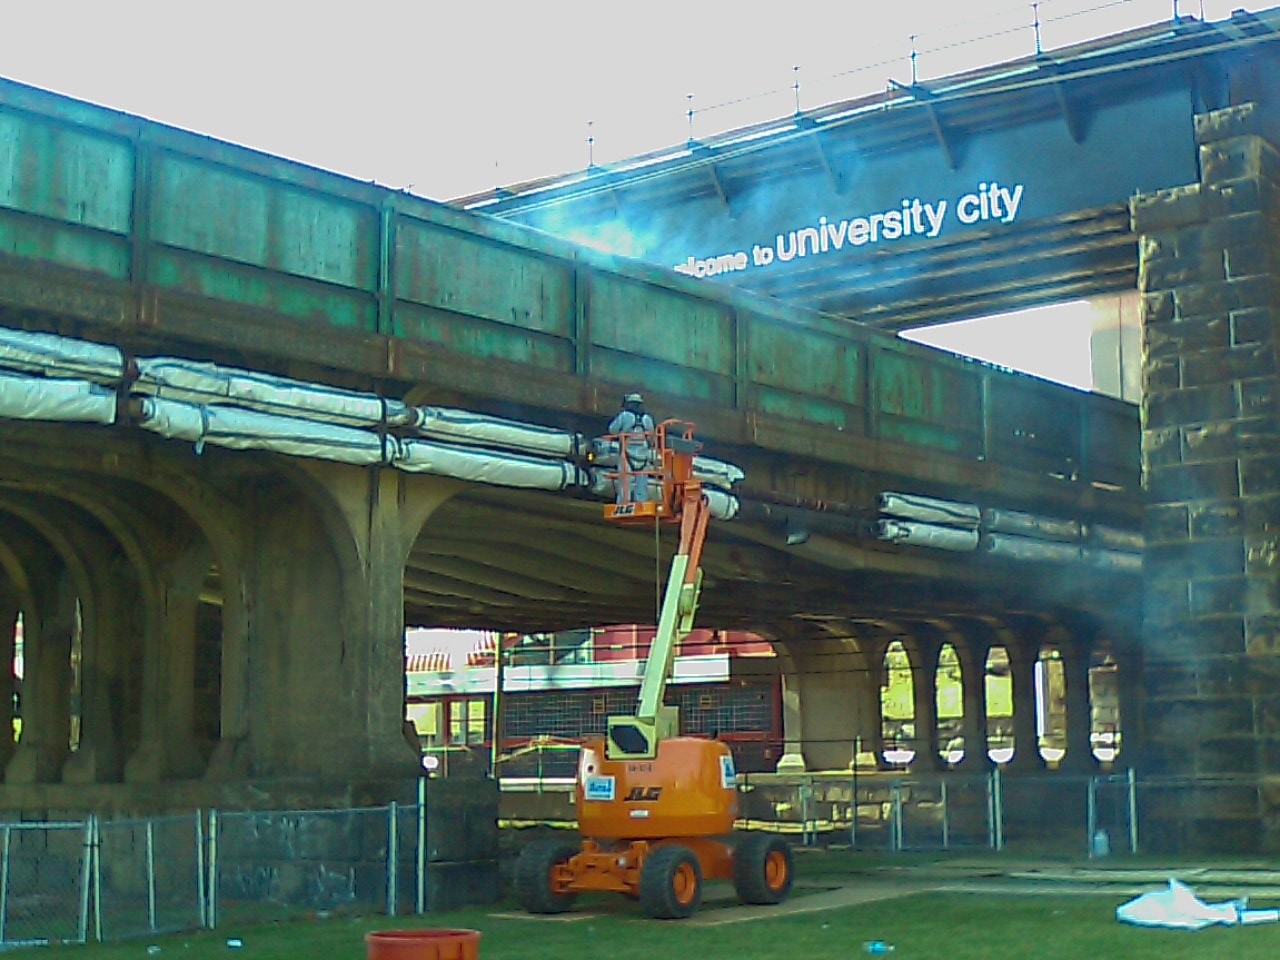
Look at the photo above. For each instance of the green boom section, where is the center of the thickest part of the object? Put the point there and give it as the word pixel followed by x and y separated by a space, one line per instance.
pixel 93 193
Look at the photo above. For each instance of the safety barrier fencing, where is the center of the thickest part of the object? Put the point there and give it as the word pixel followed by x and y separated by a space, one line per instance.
pixel 100 879
pixel 1053 813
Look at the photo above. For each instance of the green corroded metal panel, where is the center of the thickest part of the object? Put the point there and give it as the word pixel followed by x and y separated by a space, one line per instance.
pixel 804 361
pixel 64 245
pixel 808 409
pixel 300 299
pixel 484 339
pixel 237 216
pixel 647 320
pixel 644 373
pixel 474 277
pixel 922 401
pixel 65 174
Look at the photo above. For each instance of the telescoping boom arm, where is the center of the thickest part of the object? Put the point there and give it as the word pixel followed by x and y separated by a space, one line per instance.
pixel 682 501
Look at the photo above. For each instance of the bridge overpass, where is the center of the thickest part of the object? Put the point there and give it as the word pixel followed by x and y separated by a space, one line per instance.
pixel 200 619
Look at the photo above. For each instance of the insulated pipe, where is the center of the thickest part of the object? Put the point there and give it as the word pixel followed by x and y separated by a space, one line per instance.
pixel 1030 525
pixel 929 509
pixel 35 398
pixel 190 381
pixel 487 466
pixel 57 356
pixel 916 534
pixel 1110 538
pixel 1025 548
pixel 443 423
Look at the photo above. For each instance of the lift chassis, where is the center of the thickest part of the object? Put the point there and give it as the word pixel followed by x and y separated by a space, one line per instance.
pixel 656 809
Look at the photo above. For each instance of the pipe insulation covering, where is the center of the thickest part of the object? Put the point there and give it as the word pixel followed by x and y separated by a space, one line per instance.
pixel 198 383
pixel 444 423
pixel 1014 547
pixel 486 466
pixel 35 398
pixel 57 356
pixel 1030 525
pixel 930 510
pixel 914 534
pixel 1112 538
pixel 252 430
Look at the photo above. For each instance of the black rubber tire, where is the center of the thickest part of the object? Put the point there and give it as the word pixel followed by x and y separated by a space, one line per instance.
pixel 533 876
pixel 671 883
pixel 762 868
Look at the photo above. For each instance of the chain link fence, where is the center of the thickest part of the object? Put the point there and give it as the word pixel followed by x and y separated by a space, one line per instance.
pixel 1058 814
pixel 99 879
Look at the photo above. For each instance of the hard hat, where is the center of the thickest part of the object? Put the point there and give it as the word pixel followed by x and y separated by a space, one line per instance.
pixel 633 398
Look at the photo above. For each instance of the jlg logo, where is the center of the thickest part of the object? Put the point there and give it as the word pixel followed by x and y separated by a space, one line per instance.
pixel 644 794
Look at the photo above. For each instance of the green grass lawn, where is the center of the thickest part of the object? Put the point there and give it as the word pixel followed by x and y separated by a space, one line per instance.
pixel 949 926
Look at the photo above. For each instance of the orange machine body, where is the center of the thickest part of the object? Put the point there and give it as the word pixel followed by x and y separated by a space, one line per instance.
pixel 688 790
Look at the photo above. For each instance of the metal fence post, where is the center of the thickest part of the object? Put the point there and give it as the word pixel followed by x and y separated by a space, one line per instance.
pixel 422 846
pixel 393 858
pixel 1133 811
pixel 896 834
pixel 201 893
pixel 996 806
pixel 4 886
pixel 1091 816
pixel 806 799
pixel 946 822
pixel 212 885
pixel 151 875
pixel 853 812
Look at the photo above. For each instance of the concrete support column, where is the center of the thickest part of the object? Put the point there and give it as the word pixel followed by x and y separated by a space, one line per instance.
pixel 924 692
pixel 824 707
pixel 168 749
pixel 9 611
pixel 1210 279
pixel 1026 743
pixel 973 679
pixel 1075 664
pixel 327 624
pixel 99 756
pixel 46 688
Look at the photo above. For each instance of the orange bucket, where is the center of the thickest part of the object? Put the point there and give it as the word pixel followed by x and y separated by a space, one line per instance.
pixel 422 945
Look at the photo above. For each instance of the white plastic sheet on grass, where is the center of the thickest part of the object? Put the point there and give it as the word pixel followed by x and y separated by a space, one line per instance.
pixel 1178 907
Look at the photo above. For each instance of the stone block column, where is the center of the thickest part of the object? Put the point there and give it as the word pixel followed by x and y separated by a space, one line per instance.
pixel 1209 278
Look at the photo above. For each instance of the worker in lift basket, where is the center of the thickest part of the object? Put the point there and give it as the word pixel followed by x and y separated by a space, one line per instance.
pixel 638 426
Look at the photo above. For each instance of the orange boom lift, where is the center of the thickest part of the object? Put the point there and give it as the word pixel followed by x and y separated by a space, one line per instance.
pixel 656 809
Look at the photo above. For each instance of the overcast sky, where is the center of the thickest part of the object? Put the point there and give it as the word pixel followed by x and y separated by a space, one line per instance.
pixel 453 98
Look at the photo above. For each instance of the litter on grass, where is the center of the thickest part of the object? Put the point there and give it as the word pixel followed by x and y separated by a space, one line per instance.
pixel 1178 907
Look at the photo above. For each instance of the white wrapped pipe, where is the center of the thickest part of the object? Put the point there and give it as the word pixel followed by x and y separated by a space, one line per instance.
pixel 916 534
pixel 487 466
pixel 463 426
pixel 1117 560
pixel 198 383
pixel 1030 525
pixel 929 509
pixel 1026 549
pixel 250 430
pixel 35 398
pixel 724 506
pixel 57 356
pixel 1112 538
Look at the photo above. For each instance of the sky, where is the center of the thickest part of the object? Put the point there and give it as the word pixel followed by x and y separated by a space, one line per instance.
pixel 448 99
